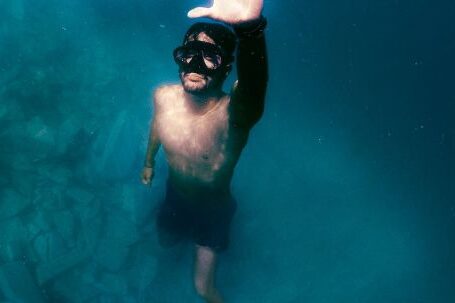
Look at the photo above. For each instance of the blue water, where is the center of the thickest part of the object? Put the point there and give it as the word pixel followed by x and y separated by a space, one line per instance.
pixel 345 188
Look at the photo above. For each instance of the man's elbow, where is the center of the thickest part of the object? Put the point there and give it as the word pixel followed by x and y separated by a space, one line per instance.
pixel 257 112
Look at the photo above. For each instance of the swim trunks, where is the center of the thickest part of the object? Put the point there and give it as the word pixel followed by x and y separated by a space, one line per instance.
pixel 204 218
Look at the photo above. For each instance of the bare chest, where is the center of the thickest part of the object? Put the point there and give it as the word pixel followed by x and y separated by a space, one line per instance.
pixel 193 136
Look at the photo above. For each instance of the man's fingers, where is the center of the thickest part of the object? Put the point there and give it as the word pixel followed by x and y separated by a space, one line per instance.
pixel 145 180
pixel 199 12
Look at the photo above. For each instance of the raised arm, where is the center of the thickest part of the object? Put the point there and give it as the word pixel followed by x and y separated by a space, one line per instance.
pixel 248 93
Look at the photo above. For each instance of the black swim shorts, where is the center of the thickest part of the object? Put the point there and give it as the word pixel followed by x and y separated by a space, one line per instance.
pixel 204 218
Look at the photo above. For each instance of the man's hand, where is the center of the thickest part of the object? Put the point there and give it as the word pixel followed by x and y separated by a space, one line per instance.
pixel 147 176
pixel 230 11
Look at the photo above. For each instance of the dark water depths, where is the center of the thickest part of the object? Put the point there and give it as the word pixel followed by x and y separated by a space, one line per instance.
pixel 345 190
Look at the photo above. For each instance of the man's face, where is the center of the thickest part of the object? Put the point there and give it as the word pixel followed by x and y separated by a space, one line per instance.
pixel 194 82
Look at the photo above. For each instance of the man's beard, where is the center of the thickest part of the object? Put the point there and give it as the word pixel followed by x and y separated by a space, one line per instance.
pixel 194 87
pixel 198 87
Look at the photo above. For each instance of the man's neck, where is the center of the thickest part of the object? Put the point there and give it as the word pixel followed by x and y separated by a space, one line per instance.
pixel 203 102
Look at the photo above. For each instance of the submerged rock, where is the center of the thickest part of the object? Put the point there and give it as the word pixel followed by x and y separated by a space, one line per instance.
pixel 40 132
pixel 4 181
pixel 87 212
pixel 24 182
pixel 111 256
pixel 143 267
pixel 50 198
pixel 119 233
pixel 48 246
pixel 64 222
pixel 89 234
pixel 13 240
pixel 21 163
pixel 120 229
pixel 67 134
pixel 76 286
pixel 54 173
pixel 48 270
pixel 12 203
pixel 79 195
pixel 131 199
pixel 113 284
pixel 18 285
pixel 115 150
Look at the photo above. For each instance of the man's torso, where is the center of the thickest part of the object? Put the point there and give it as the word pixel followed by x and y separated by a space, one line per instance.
pixel 202 149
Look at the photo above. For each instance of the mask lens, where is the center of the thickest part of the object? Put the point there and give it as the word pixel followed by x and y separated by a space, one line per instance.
pixel 184 55
pixel 212 60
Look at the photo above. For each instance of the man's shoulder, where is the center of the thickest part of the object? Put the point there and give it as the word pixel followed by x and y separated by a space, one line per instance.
pixel 166 92
pixel 163 91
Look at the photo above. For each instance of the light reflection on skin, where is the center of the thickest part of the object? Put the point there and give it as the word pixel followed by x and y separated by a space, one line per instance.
pixel 195 143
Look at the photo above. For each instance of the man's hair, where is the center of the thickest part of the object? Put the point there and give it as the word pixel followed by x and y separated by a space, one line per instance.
pixel 221 34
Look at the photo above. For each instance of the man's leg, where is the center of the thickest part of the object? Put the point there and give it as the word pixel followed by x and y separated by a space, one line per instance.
pixel 204 275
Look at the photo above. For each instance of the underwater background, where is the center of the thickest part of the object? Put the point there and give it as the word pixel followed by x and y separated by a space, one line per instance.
pixel 345 190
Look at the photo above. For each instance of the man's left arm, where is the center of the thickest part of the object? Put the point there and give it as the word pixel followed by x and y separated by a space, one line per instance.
pixel 248 93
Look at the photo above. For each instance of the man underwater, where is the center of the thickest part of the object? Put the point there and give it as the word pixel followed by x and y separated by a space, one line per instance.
pixel 203 130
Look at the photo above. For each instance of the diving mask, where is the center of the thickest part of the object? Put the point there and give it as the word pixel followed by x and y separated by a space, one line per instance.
pixel 201 57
